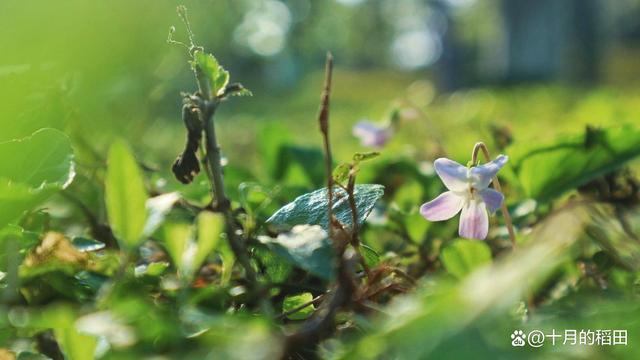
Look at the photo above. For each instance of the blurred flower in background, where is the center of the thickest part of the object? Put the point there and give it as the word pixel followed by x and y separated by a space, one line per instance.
pixel 371 134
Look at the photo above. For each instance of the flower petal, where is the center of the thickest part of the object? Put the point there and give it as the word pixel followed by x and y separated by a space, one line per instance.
pixel 474 221
pixel 370 134
pixel 481 175
pixel 444 207
pixel 452 174
pixel 492 198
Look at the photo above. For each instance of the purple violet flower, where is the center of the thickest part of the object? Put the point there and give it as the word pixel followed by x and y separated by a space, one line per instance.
pixel 371 135
pixel 468 191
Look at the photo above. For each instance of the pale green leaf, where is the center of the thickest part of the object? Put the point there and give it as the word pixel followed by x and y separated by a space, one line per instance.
pixel 292 302
pixel 216 75
pixel 177 241
pixel 31 170
pixel 44 158
pixel 210 227
pixel 125 196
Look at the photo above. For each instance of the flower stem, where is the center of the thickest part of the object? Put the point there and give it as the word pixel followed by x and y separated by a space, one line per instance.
pixel 496 184
pixel 323 119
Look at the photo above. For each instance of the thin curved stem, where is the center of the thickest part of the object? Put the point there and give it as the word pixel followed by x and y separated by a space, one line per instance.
pixel 496 184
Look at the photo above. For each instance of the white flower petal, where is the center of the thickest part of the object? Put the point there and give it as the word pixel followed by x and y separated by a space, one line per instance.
pixel 492 198
pixel 444 207
pixel 452 174
pixel 474 220
pixel 481 175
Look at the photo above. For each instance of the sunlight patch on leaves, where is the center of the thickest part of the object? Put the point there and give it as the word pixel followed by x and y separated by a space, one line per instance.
pixel 307 247
pixel 158 207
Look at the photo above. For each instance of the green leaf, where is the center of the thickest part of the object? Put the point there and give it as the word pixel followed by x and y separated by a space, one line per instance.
pixel 548 171
pixel 31 170
pixel 14 244
pixel 62 318
pixel 228 260
pixel 125 196
pixel 308 160
pixel 371 257
pixel 463 256
pixel 16 198
pixel 409 196
pixel 27 355
pixel 359 157
pixel 416 227
pixel 177 240
pixel 42 159
pixel 152 269
pixel 188 255
pixel 307 247
pixel 86 245
pixel 237 89
pixel 311 208
pixel 292 302
pixel 341 173
pixel 216 75
pixel 210 227
pixel 276 268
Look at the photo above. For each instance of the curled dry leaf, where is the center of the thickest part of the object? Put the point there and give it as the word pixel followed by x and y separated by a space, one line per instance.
pixel 55 247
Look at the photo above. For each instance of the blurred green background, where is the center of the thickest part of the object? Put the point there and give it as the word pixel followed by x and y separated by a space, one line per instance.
pixel 101 69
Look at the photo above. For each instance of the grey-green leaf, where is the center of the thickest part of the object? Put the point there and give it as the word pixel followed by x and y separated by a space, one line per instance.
pixel 86 245
pixel 311 208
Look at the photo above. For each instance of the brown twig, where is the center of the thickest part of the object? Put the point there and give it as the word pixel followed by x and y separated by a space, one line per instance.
pixel 323 119
pixel 496 184
pixel 321 324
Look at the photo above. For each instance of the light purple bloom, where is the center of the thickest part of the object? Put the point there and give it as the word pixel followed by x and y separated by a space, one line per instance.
pixel 468 191
pixel 370 134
